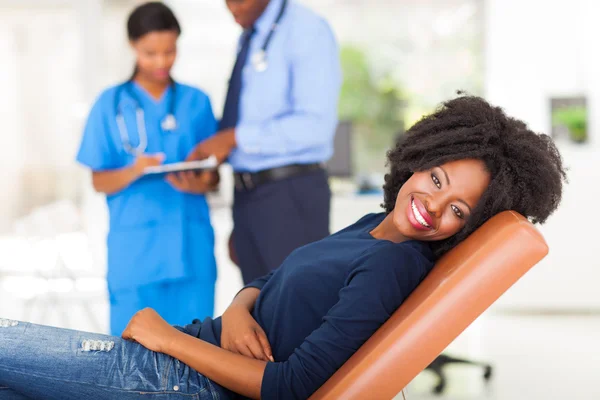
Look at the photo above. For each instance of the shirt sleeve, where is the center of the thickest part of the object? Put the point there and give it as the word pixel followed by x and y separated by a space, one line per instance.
pixel 97 151
pixel 380 283
pixel 314 91
pixel 260 282
pixel 257 283
pixel 206 123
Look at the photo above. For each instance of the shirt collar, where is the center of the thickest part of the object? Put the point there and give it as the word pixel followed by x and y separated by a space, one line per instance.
pixel 142 95
pixel 267 18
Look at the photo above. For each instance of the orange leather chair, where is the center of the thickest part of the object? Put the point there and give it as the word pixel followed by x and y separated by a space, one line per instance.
pixel 462 285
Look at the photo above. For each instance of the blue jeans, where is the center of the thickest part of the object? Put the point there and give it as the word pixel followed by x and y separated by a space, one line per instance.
pixel 40 362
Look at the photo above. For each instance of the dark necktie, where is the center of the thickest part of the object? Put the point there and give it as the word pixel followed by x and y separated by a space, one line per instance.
pixel 232 102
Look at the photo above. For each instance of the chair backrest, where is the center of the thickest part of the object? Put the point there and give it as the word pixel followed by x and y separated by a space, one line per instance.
pixel 463 284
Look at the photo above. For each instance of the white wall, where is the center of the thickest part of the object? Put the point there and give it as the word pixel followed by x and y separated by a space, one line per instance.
pixel 535 50
pixel 56 56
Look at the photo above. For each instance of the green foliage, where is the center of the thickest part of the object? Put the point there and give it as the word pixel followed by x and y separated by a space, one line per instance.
pixel 375 105
pixel 574 119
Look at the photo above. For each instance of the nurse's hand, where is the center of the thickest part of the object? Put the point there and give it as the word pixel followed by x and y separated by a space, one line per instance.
pixel 241 334
pixel 194 183
pixel 219 145
pixel 147 160
pixel 150 330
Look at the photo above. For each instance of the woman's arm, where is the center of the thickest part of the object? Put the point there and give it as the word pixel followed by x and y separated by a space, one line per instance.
pixel 241 374
pixel 236 372
pixel 246 298
pixel 240 332
pixel 115 180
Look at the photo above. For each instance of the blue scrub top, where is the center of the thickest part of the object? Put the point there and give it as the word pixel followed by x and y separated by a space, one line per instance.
pixel 156 233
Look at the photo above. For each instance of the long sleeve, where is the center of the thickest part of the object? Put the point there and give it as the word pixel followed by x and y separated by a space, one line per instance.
pixel 373 292
pixel 314 91
pixel 260 282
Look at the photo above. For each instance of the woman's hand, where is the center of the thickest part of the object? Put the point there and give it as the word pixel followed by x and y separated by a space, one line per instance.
pixel 241 334
pixel 146 160
pixel 114 180
pixel 150 330
pixel 191 182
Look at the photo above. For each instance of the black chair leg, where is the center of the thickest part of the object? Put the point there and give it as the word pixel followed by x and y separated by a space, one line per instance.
pixel 437 367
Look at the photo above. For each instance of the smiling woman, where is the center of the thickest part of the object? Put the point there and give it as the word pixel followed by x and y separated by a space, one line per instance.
pixel 481 140
pixel 288 332
pixel 429 207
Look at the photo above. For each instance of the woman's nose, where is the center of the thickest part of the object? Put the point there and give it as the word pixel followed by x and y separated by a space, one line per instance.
pixel 161 62
pixel 433 207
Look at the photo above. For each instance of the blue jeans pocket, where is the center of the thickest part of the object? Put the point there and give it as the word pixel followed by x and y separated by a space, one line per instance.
pixel 183 379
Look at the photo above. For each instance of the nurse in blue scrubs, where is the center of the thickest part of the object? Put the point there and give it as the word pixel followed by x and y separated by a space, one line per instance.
pixel 160 242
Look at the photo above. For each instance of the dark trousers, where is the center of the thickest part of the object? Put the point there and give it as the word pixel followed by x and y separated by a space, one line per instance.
pixel 277 217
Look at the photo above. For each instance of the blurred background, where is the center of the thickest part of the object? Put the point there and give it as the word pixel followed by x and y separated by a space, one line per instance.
pixel 537 59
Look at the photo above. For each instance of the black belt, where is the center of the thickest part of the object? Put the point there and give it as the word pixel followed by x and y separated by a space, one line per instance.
pixel 250 180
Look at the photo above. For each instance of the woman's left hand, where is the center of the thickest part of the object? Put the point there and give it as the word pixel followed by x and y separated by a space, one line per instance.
pixel 150 330
pixel 190 182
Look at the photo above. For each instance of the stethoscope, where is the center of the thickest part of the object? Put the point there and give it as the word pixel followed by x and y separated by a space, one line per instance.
pixel 169 123
pixel 259 59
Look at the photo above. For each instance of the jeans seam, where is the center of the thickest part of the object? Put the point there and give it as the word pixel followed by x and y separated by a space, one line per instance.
pixel 166 373
pixel 196 395
pixel 97 385
pixel 213 392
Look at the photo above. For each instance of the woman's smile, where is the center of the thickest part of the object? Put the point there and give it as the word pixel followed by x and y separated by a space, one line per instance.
pixel 418 216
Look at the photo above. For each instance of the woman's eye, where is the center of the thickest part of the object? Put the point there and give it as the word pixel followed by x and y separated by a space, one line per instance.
pixel 436 181
pixel 458 212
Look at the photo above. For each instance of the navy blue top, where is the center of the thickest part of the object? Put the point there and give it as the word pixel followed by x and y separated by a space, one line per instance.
pixel 326 300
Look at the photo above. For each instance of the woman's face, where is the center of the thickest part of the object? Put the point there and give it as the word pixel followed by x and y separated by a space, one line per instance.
pixel 435 204
pixel 156 53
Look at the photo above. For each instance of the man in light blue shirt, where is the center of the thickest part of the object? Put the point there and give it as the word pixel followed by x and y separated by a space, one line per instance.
pixel 277 130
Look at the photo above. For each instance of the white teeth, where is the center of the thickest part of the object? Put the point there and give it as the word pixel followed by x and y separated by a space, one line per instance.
pixel 418 215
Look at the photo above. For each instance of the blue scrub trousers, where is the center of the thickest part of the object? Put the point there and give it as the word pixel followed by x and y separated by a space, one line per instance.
pixel 275 218
pixel 178 302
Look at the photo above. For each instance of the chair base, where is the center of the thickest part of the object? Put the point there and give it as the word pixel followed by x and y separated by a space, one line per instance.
pixel 437 367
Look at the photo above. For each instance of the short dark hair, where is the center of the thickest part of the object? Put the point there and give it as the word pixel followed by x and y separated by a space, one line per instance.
pixel 151 17
pixel 526 168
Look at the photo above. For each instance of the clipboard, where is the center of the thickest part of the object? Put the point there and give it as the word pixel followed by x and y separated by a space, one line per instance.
pixel 199 165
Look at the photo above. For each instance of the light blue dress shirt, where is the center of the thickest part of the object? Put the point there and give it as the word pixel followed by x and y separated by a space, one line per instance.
pixel 288 113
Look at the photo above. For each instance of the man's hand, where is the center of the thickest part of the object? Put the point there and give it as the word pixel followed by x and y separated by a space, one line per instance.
pixel 231 247
pixel 241 334
pixel 150 330
pixel 194 183
pixel 219 145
